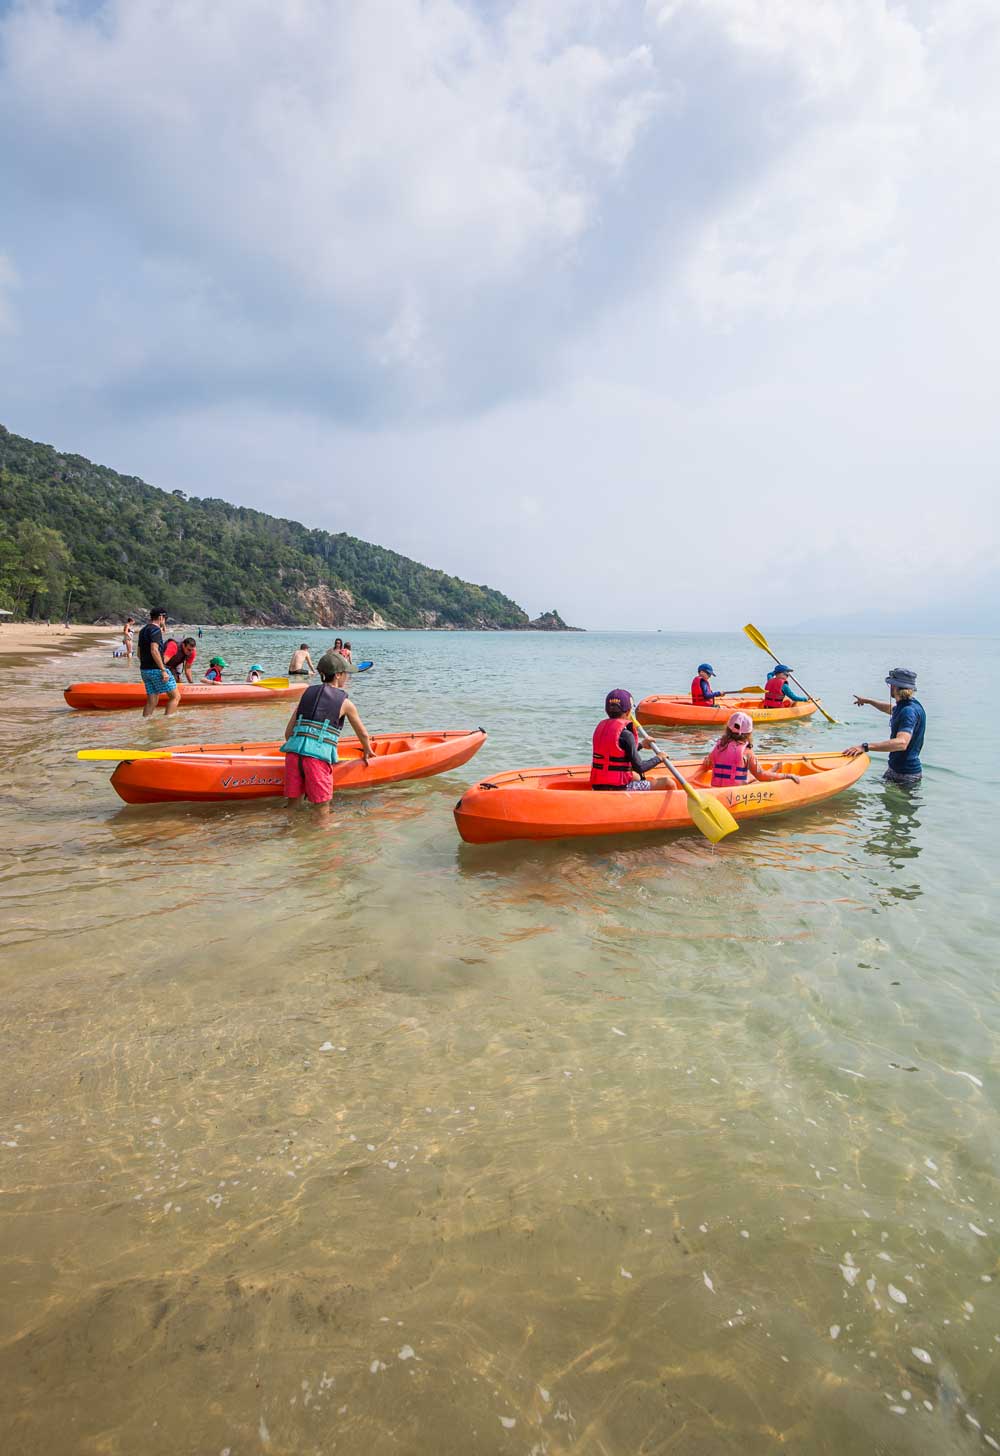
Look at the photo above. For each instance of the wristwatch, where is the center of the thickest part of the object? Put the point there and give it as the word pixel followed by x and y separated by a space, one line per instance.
pixel 864 748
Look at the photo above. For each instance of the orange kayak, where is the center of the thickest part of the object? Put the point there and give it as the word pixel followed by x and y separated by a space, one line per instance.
pixel 676 710
pixel 558 803
pixel 221 772
pixel 104 697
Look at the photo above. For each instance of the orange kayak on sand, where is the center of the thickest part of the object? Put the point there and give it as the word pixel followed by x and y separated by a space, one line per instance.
pixel 558 803
pixel 676 710
pixel 105 697
pixel 221 772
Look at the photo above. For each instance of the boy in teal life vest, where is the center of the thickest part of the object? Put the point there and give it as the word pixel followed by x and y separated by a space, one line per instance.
pixel 313 730
pixel 777 692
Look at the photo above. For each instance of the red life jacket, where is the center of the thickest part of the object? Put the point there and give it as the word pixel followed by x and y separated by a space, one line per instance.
pixel 214 674
pixel 609 767
pixel 170 649
pixel 698 686
pixel 728 764
pixel 774 693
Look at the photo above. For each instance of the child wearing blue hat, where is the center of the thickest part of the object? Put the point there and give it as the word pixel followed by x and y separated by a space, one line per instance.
pixel 701 689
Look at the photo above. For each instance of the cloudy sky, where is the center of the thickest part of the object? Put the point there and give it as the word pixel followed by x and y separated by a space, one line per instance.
pixel 670 313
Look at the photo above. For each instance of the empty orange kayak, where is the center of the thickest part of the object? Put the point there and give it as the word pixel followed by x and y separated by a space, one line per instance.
pixel 558 803
pixel 104 697
pixel 217 772
pixel 677 711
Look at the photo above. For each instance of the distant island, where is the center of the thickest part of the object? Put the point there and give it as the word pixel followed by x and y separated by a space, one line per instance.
pixel 79 540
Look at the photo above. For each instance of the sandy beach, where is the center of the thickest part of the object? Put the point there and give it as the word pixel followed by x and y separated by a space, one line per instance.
pixel 21 640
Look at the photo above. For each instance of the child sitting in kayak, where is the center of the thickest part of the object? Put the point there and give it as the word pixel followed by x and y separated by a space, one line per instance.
pixel 255 674
pixel 733 761
pixel 702 694
pixel 616 763
pixel 214 673
pixel 777 692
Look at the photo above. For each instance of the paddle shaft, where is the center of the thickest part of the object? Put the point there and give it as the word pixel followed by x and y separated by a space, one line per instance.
pixel 759 640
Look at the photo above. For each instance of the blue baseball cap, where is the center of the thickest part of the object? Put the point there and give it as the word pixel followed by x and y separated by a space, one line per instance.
pixel 619 698
pixel 779 667
pixel 706 667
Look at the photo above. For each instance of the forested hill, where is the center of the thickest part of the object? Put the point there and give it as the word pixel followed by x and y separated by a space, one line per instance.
pixel 78 539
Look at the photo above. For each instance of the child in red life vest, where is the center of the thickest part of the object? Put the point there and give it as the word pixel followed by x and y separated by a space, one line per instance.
pixel 214 673
pixel 616 763
pixel 777 692
pixel 733 761
pixel 702 694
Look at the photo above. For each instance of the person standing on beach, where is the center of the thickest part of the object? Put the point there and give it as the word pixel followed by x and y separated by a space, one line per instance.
pixel 156 676
pixel 907 723
pixel 127 632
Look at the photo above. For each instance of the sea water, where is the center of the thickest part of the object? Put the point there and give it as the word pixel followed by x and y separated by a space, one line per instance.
pixel 346 1136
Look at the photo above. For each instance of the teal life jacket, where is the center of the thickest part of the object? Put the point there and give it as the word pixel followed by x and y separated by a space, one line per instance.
pixel 315 737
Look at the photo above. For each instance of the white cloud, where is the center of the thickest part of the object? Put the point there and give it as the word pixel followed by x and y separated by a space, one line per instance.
pixel 731 261
pixel 8 283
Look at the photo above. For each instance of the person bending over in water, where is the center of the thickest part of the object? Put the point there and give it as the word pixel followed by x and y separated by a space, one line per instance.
pixel 616 763
pixel 907 722
pixel 301 664
pixel 312 733
pixel 180 656
pixel 733 761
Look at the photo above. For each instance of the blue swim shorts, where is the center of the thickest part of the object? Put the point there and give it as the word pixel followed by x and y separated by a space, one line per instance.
pixel 157 682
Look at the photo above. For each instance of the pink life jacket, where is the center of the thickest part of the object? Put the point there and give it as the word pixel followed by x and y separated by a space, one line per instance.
pixel 609 766
pixel 774 693
pixel 729 764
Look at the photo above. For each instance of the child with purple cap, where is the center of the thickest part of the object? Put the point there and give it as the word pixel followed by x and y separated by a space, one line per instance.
pixel 616 762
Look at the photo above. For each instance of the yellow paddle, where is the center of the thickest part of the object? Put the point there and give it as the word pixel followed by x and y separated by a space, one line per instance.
pixel 707 814
pixel 759 640
pixel 121 755
pixel 271 682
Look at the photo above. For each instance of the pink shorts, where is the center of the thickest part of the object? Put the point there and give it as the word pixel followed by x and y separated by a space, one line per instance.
pixel 309 776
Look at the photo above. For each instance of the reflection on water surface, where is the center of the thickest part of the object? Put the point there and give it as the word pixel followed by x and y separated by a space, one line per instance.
pixel 354 1137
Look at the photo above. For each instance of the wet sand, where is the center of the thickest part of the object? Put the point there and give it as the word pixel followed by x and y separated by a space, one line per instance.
pixel 20 641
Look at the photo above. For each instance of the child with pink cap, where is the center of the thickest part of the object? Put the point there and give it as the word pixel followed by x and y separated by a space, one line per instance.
pixel 732 760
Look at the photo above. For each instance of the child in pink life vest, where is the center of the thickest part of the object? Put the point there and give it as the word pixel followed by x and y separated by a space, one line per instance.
pixel 733 761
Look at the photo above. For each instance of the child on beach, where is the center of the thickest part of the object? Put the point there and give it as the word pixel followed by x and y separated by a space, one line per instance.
pixel 214 673
pixel 255 674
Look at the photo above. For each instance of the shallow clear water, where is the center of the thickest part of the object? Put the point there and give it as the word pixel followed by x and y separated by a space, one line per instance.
pixel 351 1137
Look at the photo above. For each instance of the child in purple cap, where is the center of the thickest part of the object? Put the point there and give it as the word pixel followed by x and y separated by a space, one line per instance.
pixel 616 763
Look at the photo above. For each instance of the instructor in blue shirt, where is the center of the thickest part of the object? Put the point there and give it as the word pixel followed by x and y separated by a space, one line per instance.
pixel 907 722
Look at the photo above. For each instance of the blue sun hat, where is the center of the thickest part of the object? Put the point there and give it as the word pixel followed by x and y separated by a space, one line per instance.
pixel 619 698
pixel 256 667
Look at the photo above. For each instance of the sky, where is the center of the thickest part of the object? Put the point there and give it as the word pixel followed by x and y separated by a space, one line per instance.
pixel 668 314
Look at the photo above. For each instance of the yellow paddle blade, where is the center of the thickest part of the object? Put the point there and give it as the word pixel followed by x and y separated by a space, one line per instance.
pixel 711 817
pixel 758 639
pixel 272 682
pixel 120 755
